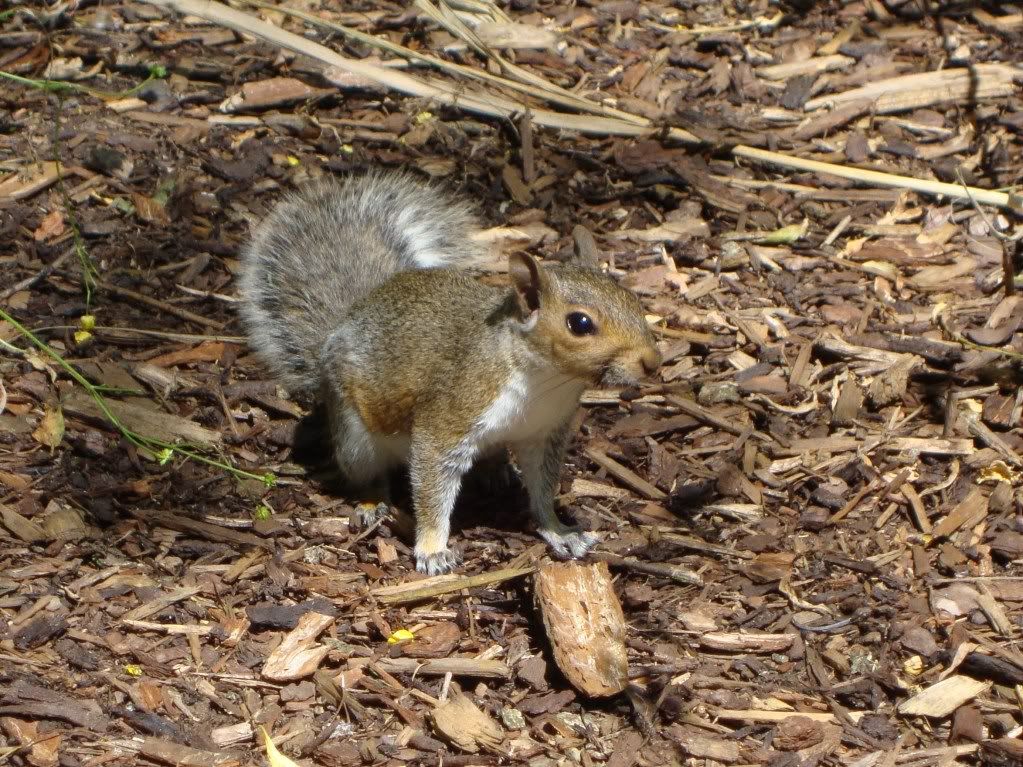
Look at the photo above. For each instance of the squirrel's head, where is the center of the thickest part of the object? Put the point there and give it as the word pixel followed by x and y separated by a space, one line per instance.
pixel 584 322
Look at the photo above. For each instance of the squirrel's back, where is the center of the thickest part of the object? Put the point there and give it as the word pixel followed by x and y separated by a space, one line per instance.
pixel 324 247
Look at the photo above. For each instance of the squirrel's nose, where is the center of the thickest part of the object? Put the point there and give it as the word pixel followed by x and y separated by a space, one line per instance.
pixel 651 360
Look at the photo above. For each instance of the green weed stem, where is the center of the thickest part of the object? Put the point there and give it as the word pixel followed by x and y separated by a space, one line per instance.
pixel 163 451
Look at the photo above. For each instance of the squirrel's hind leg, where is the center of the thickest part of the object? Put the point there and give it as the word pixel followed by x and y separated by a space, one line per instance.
pixel 360 457
pixel 436 471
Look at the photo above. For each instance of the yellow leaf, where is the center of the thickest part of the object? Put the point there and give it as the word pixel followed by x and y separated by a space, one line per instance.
pixel 913 666
pixel 293 161
pixel 50 430
pixel 87 321
pixel 423 117
pixel 275 757
pixel 972 405
pixel 81 336
pixel 401 635
pixel 999 471
pixel 133 669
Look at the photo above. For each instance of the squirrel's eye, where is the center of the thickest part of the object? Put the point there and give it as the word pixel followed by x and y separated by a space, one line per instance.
pixel 581 324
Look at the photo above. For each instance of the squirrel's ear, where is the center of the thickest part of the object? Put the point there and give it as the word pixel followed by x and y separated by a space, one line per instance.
pixel 525 278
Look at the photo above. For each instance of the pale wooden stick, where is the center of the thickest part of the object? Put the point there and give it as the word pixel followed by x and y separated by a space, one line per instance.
pixel 877 178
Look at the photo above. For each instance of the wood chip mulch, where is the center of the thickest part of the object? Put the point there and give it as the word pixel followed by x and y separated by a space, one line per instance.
pixel 812 520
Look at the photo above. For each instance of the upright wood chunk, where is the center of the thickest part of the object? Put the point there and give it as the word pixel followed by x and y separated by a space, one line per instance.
pixel 585 625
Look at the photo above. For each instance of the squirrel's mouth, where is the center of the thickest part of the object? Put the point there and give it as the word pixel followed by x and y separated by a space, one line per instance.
pixel 616 375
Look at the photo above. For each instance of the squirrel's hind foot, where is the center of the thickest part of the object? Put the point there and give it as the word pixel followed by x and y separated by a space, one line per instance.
pixel 437 563
pixel 570 542
pixel 370 513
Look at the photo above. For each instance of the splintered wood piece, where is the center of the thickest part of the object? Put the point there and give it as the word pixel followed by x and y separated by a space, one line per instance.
pixel 298 655
pixel 941 699
pixel 585 625
pixel 625 475
pixel 736 642
pixel 768 717
pixel 160 603
pixel 465 726
pixel 971 510
pixel 807 67
pixel 913 91
pixel 889 387
pixel 471 667
pixel 438 585
pixel 21 527
pixel 33 179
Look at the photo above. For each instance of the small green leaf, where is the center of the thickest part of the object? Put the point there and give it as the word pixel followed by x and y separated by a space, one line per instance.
pixel 269 479
pixel 262 513
pixel 164 456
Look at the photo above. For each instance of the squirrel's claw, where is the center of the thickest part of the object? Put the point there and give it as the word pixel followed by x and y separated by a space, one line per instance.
pixel 438 563
pixel 569 543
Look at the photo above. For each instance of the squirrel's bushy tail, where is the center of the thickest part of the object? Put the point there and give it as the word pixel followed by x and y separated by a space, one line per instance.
pixel 324 247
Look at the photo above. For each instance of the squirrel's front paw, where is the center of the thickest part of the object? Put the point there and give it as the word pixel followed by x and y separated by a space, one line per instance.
pixel 437 563
pixel 570 543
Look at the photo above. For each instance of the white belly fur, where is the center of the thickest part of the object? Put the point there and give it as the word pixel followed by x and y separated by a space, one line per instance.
pixel 529 405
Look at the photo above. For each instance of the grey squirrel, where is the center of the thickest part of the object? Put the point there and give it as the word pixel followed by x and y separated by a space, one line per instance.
pixel 356 293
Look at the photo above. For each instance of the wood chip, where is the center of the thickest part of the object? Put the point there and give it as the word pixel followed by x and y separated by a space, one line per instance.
pixel 585 625
pixel 298 655
pixel 942 698
pixel 462 723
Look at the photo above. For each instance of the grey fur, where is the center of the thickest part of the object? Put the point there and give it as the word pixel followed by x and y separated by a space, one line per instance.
pixel 325 246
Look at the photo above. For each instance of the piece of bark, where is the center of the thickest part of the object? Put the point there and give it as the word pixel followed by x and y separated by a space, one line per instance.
pixel 585 625
pixel 40 630
pixel 762 716
pixel 967 724
pixel 21 527
pixel 298 655
pixel 465 726
pixel 942 698
pixel 706 747
pixel 142 420
pixel 889 387
pixel 70 710
pixel 175 754
pixel 586 252
pixel 847 408
pixel 205 530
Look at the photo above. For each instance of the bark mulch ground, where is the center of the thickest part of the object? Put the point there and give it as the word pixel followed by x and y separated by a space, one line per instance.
pixel 812 517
